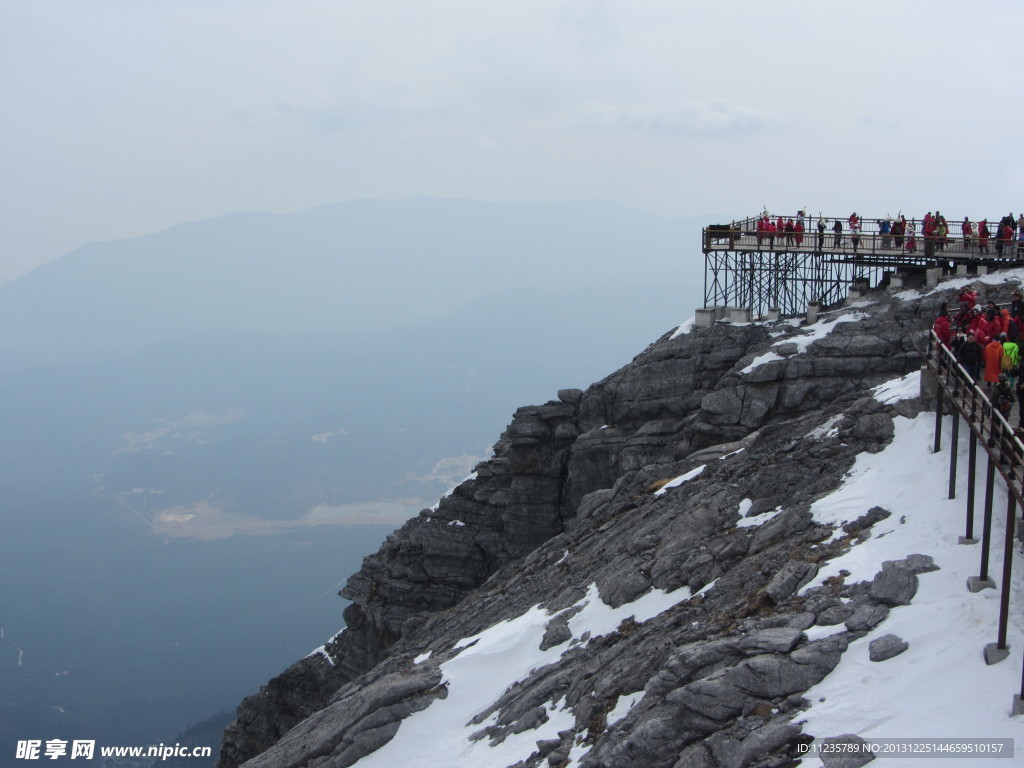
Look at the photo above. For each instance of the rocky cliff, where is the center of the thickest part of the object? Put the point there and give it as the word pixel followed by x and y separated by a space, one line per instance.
pixel 646 484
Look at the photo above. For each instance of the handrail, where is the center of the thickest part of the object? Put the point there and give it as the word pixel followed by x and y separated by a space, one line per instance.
pixel 991 425
pixel 1006 455
pixel 744 235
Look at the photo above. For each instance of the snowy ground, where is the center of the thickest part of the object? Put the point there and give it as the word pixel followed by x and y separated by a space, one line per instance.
pixel 939 688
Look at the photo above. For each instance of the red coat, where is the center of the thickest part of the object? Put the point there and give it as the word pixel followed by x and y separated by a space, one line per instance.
pixel 943 331
pixel 993 361
pixel 984 330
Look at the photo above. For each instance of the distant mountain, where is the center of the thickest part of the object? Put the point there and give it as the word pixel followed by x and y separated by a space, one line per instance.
pixel 361 265
pixel 354 360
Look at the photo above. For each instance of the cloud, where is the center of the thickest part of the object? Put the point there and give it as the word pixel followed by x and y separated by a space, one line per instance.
pixel 707 118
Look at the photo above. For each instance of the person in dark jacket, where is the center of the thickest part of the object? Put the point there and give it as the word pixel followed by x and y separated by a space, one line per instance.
pixel 970 355
pixel 1002 396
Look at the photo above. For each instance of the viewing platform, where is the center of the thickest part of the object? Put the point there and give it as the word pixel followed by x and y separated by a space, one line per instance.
pixel 784 272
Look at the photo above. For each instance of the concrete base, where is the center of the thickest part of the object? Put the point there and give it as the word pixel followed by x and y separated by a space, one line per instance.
pixel 854 294
pixel 994 654
pixel 739 315
pixel 705 318
pixel 976 584
pixel 965 540
pixel 1018 706
pixel 896 283
pixel 931 277
pixel 982 270
pixel 774 314
pixel 812 312
pixel 961 270
pixel 722 312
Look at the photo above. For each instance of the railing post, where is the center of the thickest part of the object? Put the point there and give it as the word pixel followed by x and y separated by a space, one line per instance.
pixel 982 581
pixel 954 438
pixel 972 461
pixel 996 652
pixel 938 418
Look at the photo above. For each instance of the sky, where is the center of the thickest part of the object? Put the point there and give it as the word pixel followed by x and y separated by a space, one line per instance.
pixel 124 117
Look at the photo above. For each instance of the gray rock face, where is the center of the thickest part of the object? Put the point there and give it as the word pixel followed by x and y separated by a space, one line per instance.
pixel 886 647
pixel 569 499
pixel 789 579
pixel 895 585
pixel 867 617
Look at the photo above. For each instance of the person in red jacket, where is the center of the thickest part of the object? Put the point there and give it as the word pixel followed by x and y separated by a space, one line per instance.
pixel 968 298
pixel 993 362
pixel 798 232
pixel 942 329
pixel 983 236
pixel 982 329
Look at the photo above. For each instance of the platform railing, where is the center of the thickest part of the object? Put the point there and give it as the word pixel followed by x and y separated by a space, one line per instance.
pixel 743 235
pixel 1005 456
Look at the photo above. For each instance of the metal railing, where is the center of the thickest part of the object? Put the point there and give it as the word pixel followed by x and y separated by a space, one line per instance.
pixel 1005 457
pixel 743 235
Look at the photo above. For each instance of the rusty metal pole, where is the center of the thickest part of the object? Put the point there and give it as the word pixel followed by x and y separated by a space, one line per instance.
pixel 955 439
pixel 972 462
pixel 1004 602
pixel 982 581
pixel 997 651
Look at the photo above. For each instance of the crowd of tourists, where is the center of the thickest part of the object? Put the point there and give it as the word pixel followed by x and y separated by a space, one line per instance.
pixel 986 342
pixel 1005 237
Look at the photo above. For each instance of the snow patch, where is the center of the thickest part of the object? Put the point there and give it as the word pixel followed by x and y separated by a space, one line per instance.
pixel 819 330
pixel 828 429
pixel 677 481
pixel 683 329
pixel 946 626
pixel 905 388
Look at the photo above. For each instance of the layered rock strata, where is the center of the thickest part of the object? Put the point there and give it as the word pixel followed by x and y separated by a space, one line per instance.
pixel 576 494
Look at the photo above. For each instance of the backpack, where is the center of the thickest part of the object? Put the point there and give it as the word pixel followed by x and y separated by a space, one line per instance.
pixel 1008 364
pixel 1004 403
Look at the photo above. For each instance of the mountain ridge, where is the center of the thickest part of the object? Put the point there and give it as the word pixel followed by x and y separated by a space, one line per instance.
pixel 580 491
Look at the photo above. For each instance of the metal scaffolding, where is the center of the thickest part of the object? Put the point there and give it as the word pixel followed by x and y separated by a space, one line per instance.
pixel 748 269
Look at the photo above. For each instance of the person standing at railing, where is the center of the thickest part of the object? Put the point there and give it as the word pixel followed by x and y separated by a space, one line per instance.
pixel 993 362
pixel 1011 360
pixel 941 233
pixel 983 235
pixel 942 328
pixel 969 355
pixel 899 231
pixel 884 229
pixel 967 230
pixel 912 240
pixel 855 233
pixel 821 233
pixel 790 229
pixel 798 231
pixel 838 229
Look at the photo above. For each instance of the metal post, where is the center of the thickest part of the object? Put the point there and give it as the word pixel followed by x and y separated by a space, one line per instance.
pixel 982 581
pixel 972 461
pixel 952 454
pixel 996 652
pixel 938 419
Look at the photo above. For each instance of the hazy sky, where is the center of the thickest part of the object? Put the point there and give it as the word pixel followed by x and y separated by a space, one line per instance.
pixel 122 117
